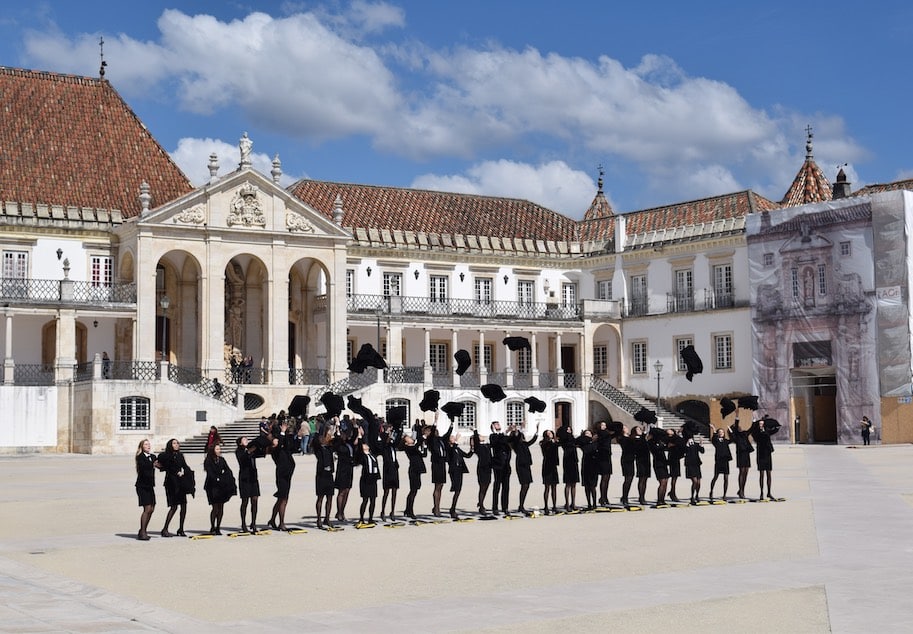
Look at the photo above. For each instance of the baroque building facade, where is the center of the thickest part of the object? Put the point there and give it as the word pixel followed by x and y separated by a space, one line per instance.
pixel 136 305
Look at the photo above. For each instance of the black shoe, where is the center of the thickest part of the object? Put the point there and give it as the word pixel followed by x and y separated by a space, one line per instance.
pixel 165 533
pixel 181 533
pixel 143 537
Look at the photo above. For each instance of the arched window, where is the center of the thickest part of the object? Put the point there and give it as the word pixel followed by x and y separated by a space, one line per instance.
pixel 134 413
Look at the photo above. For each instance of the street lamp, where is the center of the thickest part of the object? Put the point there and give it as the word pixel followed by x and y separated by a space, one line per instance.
pixel 164 303
pixel 658 366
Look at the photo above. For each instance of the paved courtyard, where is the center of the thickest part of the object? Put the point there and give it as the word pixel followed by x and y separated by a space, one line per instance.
pixel 836 556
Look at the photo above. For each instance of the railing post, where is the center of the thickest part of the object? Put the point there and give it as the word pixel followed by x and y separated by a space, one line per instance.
pixel 96 367
pixel 163 371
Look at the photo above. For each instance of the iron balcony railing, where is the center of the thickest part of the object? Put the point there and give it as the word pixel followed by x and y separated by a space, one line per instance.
pixel 33 374
pixel 308 376
pixel 383 305
pixel 404 374
pixel 193 379
pixel 37 291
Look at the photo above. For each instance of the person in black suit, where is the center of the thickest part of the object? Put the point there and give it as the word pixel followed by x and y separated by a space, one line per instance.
pixel 549 447
pixel 283 452
pixel 743 451
pixel 248 480
pixel 415 451
pixel 675 453
pixel 323 477
pixel 500 469
pixel 346 458
pixel 220 486
pixel 641 463
pixel 388 443
pixel 481 448
pixel 172 462
pixel 456 463
pixel 658 443
pixel 438 449
pixel 722 456
pixel 523 462
pixel 604 460
pixel 765 448
pixel 589 467
pixel 693 451
pixel 146 464
pixel 571 466
pixel 626 441
pixel 370 473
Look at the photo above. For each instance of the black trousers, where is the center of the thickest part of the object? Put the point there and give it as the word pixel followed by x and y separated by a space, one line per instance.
pixel 500 484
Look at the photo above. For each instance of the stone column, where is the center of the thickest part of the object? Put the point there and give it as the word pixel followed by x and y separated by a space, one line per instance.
pixel 9 365
pixel 534 363
pixel 453 348
pixel 277 365
pixel 429 377
pixel 483 369
pixel 66 345
pixel 559 370
pixel 508 367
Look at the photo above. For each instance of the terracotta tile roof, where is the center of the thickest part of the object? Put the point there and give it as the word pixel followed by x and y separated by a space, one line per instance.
pixel 696 212
pixel 885 187
pixel 809 186
pixel 393 208
pixel 73 141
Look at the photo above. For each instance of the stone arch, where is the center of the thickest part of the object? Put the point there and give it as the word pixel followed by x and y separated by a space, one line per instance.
pixel 248 313
pixel 178 331
pixel 309 323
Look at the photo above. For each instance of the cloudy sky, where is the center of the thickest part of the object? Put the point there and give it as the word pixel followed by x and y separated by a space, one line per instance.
pixel 675 100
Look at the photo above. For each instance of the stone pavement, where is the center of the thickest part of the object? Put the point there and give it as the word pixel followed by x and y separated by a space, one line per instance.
pixel 836 556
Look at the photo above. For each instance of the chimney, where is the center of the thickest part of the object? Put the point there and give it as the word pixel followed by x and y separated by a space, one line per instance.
pixel 841 187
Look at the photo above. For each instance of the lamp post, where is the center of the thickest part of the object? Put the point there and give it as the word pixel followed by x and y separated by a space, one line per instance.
pixel 378 312
pixel 164 303
pixel 658 366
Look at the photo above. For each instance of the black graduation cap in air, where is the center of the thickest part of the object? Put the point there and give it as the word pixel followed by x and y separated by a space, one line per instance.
pixel 463 361
pixel 396 416
pixel 299 405
pixel 692 361
pixel 367 357
pixel 535 404
pixel 727 407
pixel 517 343
pixel 748 402
pixel 493 392
pixel 354 404
pixel 645 416
pixel 333 403
pixel 690 429
pixel 771 425
pixel 615 427
pixel 452 409
pixel 429 401
pixel 658 434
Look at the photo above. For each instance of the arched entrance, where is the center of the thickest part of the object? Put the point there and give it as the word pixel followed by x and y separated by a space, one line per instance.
pixel 247 314
pixel 308 321
pixel 178 335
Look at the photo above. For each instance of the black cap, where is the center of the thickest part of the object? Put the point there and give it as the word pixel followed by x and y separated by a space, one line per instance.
pixel 692 361
pixel 367 357
pixel 396 416
pixel 616 427
pixel 535 404
pixel 771 425
pixel 690 429
pixel 354 404
pixel 299 405
pixel 333 403
pixel 517 343
pixel 429 401
pixel 645 416
pixel 453 409
pixel 727 407
pixel 748 402
pixel 493 392
pixel 463 361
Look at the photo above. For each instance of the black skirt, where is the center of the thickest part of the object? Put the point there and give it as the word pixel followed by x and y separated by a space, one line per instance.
pixel 571 473
pixel 550 474
pixel 456 480
pixel 323 484
pixel 174 494
pixel 743 460
pixel 675 468
pixel 721 467
pixel 660 470
pixel 146 496
pixel 484 475
pixel 391 476
pixel 627 469
pixel 438 472
pixel 344 475
pixel 604 466
pixel 525 474
pixel 692 471
pixel 765 461
pixel 367 487
pixel 249 487
pixel 415 480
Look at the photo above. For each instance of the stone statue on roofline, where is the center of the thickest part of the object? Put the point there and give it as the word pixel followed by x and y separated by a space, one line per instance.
pixel 245 145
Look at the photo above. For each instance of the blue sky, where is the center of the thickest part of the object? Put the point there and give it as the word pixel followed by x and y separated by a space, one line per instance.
pixel 676 100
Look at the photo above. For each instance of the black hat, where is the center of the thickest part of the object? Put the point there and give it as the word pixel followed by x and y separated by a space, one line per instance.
pixel 493 392
pixel 396 416
pixel 658 434
pixel 645 416
pixel 748 402
pixel 429 401
pixel 615 427
pixel 535 405
pixel 463 361
pixel 771 425
pixel 333 403
pixel 453 409
pixel 517 343
pixel 367 357
pixel 692 361
pixel 299 405
pixel 690 429
pixel 355 405
pixel 727 407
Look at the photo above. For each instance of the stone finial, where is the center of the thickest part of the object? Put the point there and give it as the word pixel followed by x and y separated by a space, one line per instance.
pixel 213 167
pixel 808 143
pixel 245 145
pixel 144 198
pixel 277 169
pixel 338 212
pixel 601 174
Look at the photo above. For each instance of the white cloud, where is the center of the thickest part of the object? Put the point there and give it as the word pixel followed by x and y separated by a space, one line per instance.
pixel 554 185
pixel 192 156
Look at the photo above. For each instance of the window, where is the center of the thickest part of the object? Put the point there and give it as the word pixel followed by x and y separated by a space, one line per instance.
pixel 102 271
pixel 639 357
pixel 795 284
pixel 722 286
pixel 483 290
pixel 604 289
pixel 846 249
pixel 134 413
pixel 524 360
pixel 568 295
pixel 514 413
pixel 638 295
pixel 15 273
pixel 438 288
pixel 768 259
pixel 350 282
pixel 439 357
pixel 600 360
pixel 684 290
pixel 822 279
pixel 680 344
pixel 467 420
pixel 526 292
pixel 722 352
pixel 487 357
pixel 393 284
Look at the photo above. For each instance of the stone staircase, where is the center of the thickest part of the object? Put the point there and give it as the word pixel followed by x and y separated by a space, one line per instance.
pixel 249 427
pixel 631 401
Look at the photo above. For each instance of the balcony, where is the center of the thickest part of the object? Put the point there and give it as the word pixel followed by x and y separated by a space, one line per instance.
pixel 66 292
pixel 437 307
